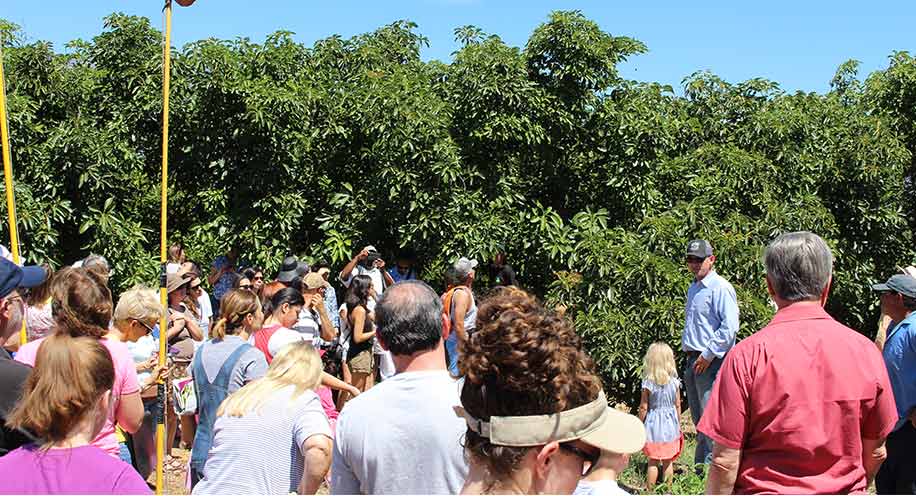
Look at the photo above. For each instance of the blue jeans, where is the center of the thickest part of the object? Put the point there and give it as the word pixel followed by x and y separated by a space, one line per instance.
pixel 698 388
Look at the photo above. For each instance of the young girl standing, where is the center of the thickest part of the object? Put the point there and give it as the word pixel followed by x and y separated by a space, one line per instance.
pixel 660 410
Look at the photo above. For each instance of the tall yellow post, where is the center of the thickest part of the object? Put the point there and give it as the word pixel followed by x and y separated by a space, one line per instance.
pixel 8 179
pixel 163 296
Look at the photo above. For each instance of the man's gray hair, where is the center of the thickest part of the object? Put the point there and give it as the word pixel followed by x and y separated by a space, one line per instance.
pixel 799 266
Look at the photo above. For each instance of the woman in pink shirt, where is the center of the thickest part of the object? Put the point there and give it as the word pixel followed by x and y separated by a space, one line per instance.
pixel 83 307
pixel 63 404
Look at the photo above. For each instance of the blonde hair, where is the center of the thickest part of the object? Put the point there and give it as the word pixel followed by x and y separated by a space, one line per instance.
pixel 70 376
pixel 658 366
pixel 140 303
pixel 297 365
pixel 233 309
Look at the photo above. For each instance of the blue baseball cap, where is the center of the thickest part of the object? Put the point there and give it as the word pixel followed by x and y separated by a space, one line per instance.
pixel 13 276
pixel 898 283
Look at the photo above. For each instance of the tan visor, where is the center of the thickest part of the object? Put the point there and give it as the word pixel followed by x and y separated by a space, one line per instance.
pixel 593 423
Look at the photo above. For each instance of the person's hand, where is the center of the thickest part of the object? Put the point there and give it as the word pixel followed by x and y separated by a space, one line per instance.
pixel 316 302
pixel 149 364
pixel 700 365
pixel 353 390
pixel 380 264
pixel 362 254
pixel 160 372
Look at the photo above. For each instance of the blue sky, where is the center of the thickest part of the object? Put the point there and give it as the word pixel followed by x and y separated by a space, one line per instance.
pixel 799 44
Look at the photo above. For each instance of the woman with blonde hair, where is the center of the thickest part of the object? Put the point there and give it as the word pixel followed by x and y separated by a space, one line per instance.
pixel 135 315
pixel 224 364
pixel 83 307
pixel 660 410
pixel 279 411
pixel 65 403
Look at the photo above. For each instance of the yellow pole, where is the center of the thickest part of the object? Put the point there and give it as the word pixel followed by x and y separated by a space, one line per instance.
pixel 163 296
pixel 8 179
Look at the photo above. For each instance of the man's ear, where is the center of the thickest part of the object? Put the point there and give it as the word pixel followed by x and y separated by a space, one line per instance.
pixel 826 291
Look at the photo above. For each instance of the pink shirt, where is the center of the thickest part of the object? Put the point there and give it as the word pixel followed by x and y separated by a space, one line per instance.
pixel 125 384
pixel 797 398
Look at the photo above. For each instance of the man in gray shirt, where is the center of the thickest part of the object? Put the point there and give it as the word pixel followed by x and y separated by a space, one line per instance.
pixel 402 436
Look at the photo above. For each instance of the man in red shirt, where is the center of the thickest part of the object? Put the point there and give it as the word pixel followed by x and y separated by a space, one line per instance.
pixel 804 405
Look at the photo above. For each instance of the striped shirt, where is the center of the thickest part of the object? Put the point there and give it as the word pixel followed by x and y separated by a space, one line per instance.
pixel 261 453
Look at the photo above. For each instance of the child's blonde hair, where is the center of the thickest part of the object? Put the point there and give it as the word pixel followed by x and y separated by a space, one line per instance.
pixel 658 366
pixel 297 365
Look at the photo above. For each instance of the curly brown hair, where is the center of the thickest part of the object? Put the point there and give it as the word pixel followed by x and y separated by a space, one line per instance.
pixel 521 360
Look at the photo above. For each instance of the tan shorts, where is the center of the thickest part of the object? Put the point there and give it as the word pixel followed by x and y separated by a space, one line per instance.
pixel 361 363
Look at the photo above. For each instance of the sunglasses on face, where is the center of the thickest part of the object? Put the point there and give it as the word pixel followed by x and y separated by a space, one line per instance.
pixel 589 460
pixel 695 260
pixel 245 286
pixel 258 278
pixel 193 288
pixel 149 330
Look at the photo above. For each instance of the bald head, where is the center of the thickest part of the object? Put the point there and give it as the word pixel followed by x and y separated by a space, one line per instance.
pixel 409 318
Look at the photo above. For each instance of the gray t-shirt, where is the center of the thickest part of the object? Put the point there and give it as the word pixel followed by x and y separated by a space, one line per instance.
pixel 261 453
pixel 401 437
pixel 251 365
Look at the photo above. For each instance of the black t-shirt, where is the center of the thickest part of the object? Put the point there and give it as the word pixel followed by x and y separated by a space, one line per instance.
pixel 12 379
pixel 504 276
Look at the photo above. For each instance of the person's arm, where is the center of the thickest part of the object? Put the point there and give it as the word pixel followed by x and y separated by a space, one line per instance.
pixel 389 281
pixel 644 405
pixel 335 383
pixel 177 321
pixel 194 329
pixel 677 402
pixel 327 331
pixel 348 269
pixel 873 455
pixel 462 303
pixel 130 412
pixel 215 273
pixel 359 326
pixel 316 451
pixel 725 305
pixel 723 470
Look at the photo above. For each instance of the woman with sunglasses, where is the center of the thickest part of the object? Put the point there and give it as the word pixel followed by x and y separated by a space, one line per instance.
pixel 224 364
pixel 134 317
pixel 256 277
pixel 537 417
pixel 192 303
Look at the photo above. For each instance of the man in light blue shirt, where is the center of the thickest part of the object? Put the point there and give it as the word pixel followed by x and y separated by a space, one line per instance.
pixel 897 474
pixel 709 332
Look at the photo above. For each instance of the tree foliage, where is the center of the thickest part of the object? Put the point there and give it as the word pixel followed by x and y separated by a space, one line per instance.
pixel 591 183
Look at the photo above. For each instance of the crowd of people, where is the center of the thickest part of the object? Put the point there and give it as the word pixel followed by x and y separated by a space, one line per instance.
pixel 276 388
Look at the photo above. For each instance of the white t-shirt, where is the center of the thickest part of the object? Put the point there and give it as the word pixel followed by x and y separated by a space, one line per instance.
pixel 401 437
pixel 281 338
pixel 261 453
pixel 206 312
pixel 599 488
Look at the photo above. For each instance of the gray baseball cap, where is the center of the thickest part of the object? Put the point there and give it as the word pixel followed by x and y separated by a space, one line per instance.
pixel 463 266
pixel 699 248
pixel 898 283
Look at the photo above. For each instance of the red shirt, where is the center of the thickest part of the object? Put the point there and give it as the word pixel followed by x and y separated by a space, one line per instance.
pixel 797 398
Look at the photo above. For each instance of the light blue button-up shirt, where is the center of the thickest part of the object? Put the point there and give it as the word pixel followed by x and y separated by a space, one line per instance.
pixel 712 317
pixel 900 358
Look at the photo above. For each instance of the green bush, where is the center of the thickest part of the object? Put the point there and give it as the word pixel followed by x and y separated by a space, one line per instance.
pixel 591 183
